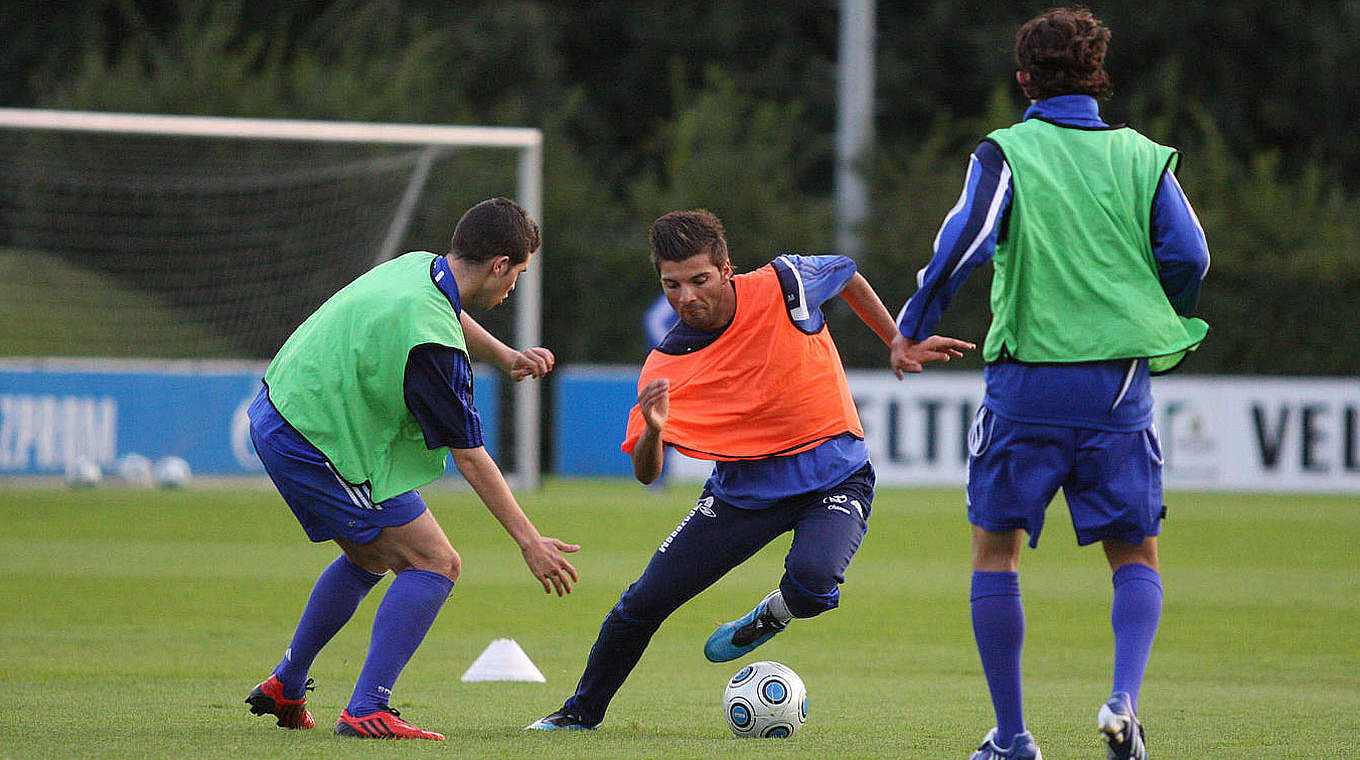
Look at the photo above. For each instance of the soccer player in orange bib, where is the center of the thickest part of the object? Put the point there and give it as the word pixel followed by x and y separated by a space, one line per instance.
pixel 750 379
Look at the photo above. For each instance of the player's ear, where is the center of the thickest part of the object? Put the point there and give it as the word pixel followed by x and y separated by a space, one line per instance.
pixel 500 265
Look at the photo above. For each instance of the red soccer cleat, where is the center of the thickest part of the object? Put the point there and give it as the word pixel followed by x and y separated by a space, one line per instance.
pixel 268 699
pixel 383 724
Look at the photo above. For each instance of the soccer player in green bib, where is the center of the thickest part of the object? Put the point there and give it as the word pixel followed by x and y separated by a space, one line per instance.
pixel 1098 262
pixel 363 404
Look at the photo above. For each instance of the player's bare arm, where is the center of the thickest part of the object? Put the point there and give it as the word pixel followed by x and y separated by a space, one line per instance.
pixel 531 362
pixel 542 554
pixel 866 304
pixel 907 355
pixel 649 454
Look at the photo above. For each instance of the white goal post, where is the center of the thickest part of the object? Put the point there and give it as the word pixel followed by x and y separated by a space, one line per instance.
pixel 526 142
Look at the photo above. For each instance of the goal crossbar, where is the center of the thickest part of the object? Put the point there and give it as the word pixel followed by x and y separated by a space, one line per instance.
pixel 527 141
pixel 270 129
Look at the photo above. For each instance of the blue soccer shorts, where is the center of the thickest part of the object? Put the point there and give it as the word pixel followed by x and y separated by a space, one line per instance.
pixel 1112 480
pixel 325 504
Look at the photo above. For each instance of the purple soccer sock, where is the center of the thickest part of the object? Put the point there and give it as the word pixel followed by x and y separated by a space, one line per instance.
pixel 337 593
pixel 1134 615
pixel 404 617
pixel 999 629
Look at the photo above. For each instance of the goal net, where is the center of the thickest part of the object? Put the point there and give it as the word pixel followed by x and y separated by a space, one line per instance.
pixel 148 236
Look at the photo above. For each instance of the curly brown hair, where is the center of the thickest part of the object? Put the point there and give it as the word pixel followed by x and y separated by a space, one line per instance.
pixel 1063 52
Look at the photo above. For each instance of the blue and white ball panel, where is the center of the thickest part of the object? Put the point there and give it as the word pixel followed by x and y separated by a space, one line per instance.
pixel 1112 480
pixel 773 691
pixel 325 504
pixel 777 731
pixel 742 676
pixel 739 712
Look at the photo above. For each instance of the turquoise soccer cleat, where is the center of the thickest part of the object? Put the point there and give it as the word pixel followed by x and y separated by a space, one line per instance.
pixel 562 720
pixel 741 636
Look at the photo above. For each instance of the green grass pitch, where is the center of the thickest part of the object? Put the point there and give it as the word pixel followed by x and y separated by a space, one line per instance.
pixel 135 622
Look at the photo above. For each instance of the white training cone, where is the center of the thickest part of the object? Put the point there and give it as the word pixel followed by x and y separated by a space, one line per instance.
pixel 503 660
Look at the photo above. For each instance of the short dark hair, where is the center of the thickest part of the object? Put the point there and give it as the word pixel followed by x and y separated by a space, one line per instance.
pixel 495 227
pixel 1063 52
pixel 681 234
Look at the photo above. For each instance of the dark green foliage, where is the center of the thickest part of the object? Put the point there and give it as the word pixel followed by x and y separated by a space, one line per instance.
pixel 649 106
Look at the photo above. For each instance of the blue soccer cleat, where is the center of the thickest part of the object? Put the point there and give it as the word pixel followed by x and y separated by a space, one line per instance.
pixel 562 720
pixel 741 636
pixel 1023 747
pixel 1121 730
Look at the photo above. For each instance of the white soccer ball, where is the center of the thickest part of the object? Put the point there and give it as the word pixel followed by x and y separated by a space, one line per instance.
pixel 765 699
pixel 172 472
pixel 135 470
pixel 83 473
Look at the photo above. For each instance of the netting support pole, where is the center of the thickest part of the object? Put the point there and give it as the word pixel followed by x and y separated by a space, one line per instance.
pixel 396 231
pixel 528 322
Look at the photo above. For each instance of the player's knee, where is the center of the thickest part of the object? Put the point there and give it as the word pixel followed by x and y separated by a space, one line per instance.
pixel 637 604
pixel 811 577
pixel 452 564
pixel 996 551
pixel 633 607
pixel 810 591
pixel 443 560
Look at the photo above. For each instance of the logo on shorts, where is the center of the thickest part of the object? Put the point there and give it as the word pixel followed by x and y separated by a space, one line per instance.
pixel 835 501
pixel 704 506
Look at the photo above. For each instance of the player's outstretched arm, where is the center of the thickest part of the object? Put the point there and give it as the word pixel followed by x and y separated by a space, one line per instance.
pixel 907 355
pixel 649 455
pixel 866 304
pixel 531 362
pixel 542 554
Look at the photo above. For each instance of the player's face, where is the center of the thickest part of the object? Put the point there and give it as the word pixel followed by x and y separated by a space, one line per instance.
pixel 500 282
pixel 700 292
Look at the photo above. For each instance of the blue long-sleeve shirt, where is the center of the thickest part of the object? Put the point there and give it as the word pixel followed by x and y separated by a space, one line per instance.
pixel 1113 395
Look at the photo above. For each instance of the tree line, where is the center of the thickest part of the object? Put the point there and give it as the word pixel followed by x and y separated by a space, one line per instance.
pixel 649 106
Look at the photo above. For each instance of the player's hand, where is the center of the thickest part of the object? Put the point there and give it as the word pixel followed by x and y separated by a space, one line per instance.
pixel 907 355
pixel 531 362
pixel 545 561
pixel 655 403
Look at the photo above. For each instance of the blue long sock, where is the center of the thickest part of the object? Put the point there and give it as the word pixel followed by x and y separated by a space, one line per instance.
pixel 999 629
pixel 1134 615
pixel 337 593
pixel 404 617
